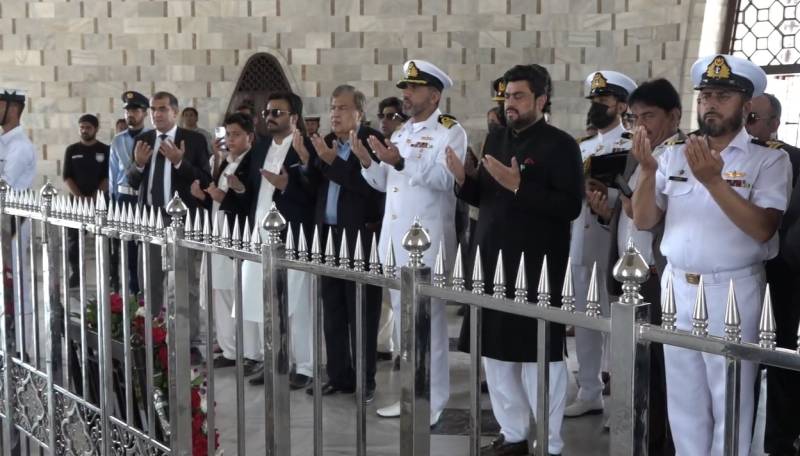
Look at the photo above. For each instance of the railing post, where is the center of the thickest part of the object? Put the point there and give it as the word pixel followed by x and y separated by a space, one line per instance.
pixel 630 363
pixel 105 359
pixel 178 340
pixel 6 338
pixel 415 360
pixel 51 308
pixel 276 348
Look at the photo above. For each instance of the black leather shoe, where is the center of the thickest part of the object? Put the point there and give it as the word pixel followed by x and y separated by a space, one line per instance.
pixel 253 367
pixel 221 361
pixel 328 389
pixel 369 395
pixel 300 381
pixel 257 380
pixel 396 366
pixel 499 447
pixel 384 356
pixel 195 356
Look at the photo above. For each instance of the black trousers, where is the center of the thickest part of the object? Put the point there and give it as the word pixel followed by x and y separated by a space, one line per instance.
pixel 339 326
pixel 660 437
pixel 73 251
pixel 783 395
pixel 116 247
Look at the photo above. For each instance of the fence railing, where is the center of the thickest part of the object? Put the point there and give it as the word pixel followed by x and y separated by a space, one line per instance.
pixel 92 391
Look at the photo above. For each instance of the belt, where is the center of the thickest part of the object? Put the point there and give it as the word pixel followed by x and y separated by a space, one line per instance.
pixel 127 190
pixel 713 278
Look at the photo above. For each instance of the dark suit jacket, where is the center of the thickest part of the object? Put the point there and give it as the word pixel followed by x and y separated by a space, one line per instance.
pixel 194 166
pixel 534 221
pixel 360 206
pixel 296 203
pixel 237 205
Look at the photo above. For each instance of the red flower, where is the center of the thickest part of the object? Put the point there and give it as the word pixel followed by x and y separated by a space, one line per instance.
pixel 116 303
pixel 195 399
pixel 163 356
pixel 159 335
pixel 529 162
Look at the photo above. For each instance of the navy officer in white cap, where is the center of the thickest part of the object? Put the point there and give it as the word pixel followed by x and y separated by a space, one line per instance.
pixel 18 169
pixel 608 92
pixel 721 194
pixel 414 174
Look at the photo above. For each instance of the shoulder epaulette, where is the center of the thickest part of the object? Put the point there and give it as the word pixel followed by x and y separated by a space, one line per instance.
pixel 768 144
pixel 626 135
pixel 447 120
pixel 676 141
pixel 585 138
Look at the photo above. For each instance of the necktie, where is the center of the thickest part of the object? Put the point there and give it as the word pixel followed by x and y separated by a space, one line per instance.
pixel 157 189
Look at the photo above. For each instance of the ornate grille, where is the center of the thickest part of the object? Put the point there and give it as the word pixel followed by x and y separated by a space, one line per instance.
pixel 262 72
pixel 765 32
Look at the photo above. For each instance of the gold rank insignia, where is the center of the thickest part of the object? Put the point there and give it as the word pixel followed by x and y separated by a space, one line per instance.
pixel 129 95
pixel 718 68
pixel 775 144
pixel 412 71
pixel 599 81
pixel 587 165
pixel 447 121
pixel 734 175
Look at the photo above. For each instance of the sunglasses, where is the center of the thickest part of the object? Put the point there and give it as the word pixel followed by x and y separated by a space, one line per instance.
pixel 273 113
pixel 391 116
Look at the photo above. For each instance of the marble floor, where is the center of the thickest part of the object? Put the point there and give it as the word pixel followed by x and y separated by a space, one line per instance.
pixel 583 436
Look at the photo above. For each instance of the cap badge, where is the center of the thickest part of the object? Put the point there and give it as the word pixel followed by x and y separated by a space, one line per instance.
pixel 412 71
pixel 599 81
pixel 501 88
pixel 718 68
pixel 129 95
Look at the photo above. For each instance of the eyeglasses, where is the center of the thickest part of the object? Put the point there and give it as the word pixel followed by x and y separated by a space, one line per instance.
pixel 391 116
pixel 273 113
pixel 753 118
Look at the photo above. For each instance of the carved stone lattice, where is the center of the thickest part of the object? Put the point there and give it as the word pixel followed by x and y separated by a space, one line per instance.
pixel 767 32
pixel 30 402
pixel 78 428
pixel 262 73
pixel 127 443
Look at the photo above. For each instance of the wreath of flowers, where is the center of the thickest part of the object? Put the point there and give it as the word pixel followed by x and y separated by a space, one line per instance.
pixel 199 391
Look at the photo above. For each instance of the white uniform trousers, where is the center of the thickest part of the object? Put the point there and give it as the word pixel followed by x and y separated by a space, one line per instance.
pixel 301 334
pixel 388 340
pixel 440 347
pixel 695 380
pixel 225 325
pixel 512 391
pixel 590 345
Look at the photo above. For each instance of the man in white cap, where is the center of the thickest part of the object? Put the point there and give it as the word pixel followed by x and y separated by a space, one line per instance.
pixel 18 169
pixel 608 92
pixel 721 195
pixel 414 175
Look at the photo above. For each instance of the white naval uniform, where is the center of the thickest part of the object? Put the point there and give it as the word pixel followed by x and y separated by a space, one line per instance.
pixel 18 169
pixel 298 283
pixel 424 189
pixel 700 239
pixel 590 243
pixel 223 286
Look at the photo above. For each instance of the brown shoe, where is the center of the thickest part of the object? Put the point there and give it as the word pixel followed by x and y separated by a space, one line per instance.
pixel 499 447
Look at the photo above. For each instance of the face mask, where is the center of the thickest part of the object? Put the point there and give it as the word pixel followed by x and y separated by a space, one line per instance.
pixel 599 116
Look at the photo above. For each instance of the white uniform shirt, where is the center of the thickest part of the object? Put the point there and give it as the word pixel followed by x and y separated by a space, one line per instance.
pixel 222 266
pixel 424 188
pixel 643 240
pixel 590 239
pixel 17 159
pixel 698 236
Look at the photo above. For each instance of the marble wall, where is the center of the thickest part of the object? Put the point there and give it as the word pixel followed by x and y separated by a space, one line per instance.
pixel 75 57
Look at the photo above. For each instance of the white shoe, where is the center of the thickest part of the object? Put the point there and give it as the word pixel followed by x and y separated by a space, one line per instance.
pixel 391 411
pixel 435 417
pixel 581 407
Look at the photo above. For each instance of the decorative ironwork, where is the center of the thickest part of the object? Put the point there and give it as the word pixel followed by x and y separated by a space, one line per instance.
pixel 262 72
pixel 30 402
pixel 127 442
pixel 766 32
pixel 78 428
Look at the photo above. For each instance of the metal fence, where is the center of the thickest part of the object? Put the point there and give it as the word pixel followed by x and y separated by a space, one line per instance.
pixel 88 392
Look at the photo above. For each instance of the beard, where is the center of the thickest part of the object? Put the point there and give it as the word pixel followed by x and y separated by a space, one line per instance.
pixel 715 125
pixel 521 120
pixel 275 128
pixel 87 136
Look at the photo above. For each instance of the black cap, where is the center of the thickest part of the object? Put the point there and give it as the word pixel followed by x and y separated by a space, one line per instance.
pixel 132 99
pixel 12 96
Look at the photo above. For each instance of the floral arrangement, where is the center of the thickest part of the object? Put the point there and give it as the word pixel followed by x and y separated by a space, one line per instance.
pixel 199 391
